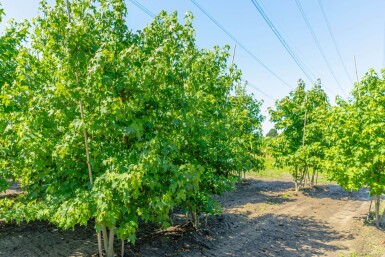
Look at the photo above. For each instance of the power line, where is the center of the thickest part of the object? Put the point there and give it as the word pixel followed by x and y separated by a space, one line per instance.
pixel 318 44
pixel 333 39
pixel 259 90
pixel 383 61
pixel 281 39
pixel 143 8
pixel 296 50
pixel 149 13
pixel 240 44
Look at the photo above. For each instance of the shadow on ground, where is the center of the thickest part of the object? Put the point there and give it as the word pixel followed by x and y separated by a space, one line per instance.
pixel 257 191
pixel 336 192
pixel 36 239
pixel 235 235
pixel 232 234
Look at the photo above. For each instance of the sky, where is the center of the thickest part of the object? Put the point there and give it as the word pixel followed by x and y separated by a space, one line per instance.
pixel 358 27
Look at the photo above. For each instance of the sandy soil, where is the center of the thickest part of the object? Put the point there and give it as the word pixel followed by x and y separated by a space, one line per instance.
pixel 263 217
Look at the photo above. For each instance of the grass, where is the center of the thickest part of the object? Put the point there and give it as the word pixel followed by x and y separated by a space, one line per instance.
pixel 271 171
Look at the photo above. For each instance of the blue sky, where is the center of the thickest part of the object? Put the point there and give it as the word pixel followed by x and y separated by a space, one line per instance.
pixel 358 27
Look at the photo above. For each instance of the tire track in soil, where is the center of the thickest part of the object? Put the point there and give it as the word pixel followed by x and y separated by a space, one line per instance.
pixel 261 218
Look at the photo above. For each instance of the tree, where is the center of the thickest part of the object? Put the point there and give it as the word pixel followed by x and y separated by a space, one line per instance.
pixel 272 133
pixel 356 138
pixel 10 46
pixel 121 127
pixel 300 145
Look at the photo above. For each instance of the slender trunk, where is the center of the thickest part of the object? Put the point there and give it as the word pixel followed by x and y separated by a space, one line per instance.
pixel 100 244
pixel 296 179
pixel 370 208
pixel 312 177
pixel 377 209
pixel 110 251
pixel 122 251
pixel 382 217
pixel 194 218
pixel 303 178
pixel 105 237
pixel 316 179
pixel 86 144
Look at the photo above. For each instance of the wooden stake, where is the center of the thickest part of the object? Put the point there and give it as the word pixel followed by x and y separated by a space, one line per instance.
pixel 355 65
pixel 235 48
pixel 99 237
pixel 86 144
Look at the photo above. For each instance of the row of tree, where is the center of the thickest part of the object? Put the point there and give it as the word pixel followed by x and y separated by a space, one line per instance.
pixel 102 124
pixel 345 141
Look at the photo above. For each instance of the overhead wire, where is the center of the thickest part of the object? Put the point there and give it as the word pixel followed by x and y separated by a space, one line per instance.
pixel 334 40
pixel 149 13
pixel 143 8
pixel 259 90
pixel 320 49
pixel 287 38
pixel 240 44
pixel 383 61
pixel 281 39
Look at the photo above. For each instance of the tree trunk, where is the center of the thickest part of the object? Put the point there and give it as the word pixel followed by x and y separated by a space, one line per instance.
pixel 312 177
pixel 370 208
pixel 195 218
pixel 110 251
pixel 122 251
pixel 377 209
pixel 105 237
pixel 108 241
pixel 100 244
pixel 296 179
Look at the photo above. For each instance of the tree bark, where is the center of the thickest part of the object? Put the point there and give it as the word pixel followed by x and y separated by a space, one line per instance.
pixel 377 209
pixel 122 251
pixel 110 251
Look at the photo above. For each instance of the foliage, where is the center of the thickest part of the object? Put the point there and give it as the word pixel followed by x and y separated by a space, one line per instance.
pixel 356 138
pixel 300 145
pixel 272 133
pixel 167 124
pixel 10 46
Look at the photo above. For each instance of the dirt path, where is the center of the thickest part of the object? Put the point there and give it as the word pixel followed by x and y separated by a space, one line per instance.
pixel 263 217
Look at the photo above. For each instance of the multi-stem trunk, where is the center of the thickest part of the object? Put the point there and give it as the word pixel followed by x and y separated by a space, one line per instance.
pixel 108 240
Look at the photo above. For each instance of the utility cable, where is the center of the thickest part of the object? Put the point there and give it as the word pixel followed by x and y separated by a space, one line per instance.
pixel 281 39
pixel 143 8
pixel 259 90
pixel 149 13
pixel 240 44
pixel 318 44
pixel 334 40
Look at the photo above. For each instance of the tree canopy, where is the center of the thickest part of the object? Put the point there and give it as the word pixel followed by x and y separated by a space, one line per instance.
pixel 300 145
pixel 122 127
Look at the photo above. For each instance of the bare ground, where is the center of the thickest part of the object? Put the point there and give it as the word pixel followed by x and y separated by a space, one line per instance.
pixel 263 217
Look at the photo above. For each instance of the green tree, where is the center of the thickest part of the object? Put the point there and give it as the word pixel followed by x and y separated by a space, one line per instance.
pixel 300 145
pixel 272 133
pixel 356 138
pixel 121 127
pixel 11 41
